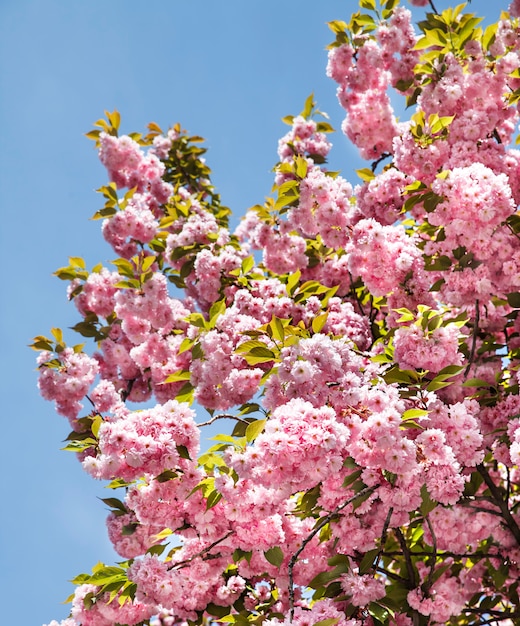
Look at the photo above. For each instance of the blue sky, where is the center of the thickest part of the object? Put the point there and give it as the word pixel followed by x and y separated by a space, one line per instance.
pixel 225 70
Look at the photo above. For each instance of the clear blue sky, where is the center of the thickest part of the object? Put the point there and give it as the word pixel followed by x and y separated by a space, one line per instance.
pixel 226 70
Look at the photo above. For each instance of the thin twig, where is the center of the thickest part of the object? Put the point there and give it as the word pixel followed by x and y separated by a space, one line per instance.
pixel 313 533
pixel 224 416
pixel 391 575
pixel 433 7
pixel 384 535
pixel 182 564
pixel 375 163
pixel 356 297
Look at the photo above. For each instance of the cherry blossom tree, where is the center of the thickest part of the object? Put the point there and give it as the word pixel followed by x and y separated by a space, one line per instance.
pixel 361 342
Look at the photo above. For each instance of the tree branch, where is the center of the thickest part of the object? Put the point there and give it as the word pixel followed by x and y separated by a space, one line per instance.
pixel 325 520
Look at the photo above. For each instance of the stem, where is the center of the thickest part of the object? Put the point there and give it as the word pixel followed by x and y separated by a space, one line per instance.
pixel 384 535
pixel 497 495
pixel 433 7
pixel 325 520
pixel 124 393
pixel 428 584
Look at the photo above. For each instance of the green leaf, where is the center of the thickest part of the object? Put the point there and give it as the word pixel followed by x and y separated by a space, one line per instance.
pixel 185 394
pixel 165 476
pixel 254 429
pixel 513 299
pixel 115 503
pixel 107 575
pixel 177 376
pixel 319 322
pixel 276 328
pixel 366 174
pixel 274 555
pixel 129 529
pixel 216 310
pixel 351 478
pixel 368 560
pixel 217 611
pixel 301 167
pixel 212 499
pixel 427 503
pixel 183 452
pixel 411 414
pixel 247 265
pixel 147 263
pixel 330 621
pixel 308 107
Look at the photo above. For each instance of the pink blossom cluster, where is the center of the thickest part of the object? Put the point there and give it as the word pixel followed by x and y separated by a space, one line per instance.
pixel 389 60
pixel 362 589
pixel 382 256
pixel 416 348
pixel 383 197
pixel 312 369
pixel 103 612
pixel 69 382
pixel 97 293
pixel 303 138
pixel 324 609
pixel 447 597
pixel 143 350
pixel 324 208
pixel 455 528
pixel 129 167
pixel 129 537
pixel 145 442
pixel 135 225
pixel 300 446
pixel 461 426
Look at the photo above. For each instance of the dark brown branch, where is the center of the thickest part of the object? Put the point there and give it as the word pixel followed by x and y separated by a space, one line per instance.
pixel 384 535
pixel 500 500
pixel 498 616
pixel 454 555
